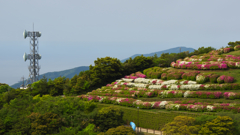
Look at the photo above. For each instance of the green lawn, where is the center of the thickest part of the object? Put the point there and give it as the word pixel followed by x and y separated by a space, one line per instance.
pixel 233 53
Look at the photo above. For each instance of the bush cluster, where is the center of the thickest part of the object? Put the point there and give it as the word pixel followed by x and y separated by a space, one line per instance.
pixel 190 75
pixel 214 125
pixel 225 79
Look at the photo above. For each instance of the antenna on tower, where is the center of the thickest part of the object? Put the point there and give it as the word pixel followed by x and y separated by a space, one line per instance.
pixel 33 56
pixel 22 81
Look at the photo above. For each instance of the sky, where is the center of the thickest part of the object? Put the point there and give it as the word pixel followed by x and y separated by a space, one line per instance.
pixel 77 32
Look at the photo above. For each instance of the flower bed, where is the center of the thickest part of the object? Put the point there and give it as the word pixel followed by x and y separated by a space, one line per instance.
pixel 168 105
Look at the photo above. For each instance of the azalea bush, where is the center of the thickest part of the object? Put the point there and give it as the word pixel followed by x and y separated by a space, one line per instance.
pixel 232 95
pixel 203 94
pixel 237 47
pixel 190 75
pixel 225 79
pixel 213 78
pixel 164 76
pixel 228 79
pixel 201 78
pixel 156 75
pixel 226 50
pixel 221 79
pixel 175 76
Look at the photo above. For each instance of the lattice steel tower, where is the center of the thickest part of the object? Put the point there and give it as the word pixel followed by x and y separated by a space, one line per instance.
pixel 33 56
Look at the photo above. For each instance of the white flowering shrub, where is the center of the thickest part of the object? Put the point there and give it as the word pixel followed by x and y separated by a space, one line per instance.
pixel 169 82
pixel 155 87
pixel 210 108
pixel 186 94
pixel 201 79
pixel 131 84
pixel 140 85
pixel 173 87
pixel 162 104
pixel 172 107
pixel 127 80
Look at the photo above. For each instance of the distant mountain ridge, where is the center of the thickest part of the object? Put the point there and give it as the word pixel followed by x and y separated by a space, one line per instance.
pixel 69 73
pixel 172 50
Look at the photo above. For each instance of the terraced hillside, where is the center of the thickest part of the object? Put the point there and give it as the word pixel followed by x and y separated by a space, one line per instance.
pixel 203 83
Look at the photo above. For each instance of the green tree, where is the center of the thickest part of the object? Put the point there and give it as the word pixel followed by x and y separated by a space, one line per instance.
pixel 232 44
pixel 4 88
pixel 120 130
pixel 129 66
pixel 105 70
pixel 181 125
pixel 107 118
pixel 44 123
pixel 142 62
pixel 57 86
pixel 67 90
pixel 73 80
pixel 222 125
pixel 40 87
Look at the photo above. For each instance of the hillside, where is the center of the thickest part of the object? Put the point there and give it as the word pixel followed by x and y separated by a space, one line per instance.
pixel 71 72
pixel 172 50
pixel 205 84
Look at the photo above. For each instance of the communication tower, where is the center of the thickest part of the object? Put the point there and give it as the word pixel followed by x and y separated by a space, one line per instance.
pixel 33 57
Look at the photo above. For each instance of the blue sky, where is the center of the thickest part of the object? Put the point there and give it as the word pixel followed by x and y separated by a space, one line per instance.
pixel 77 32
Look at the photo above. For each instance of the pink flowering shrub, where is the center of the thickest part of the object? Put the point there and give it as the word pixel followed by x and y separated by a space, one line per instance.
pixel 226 50
pixel 156 105
pixel 223 66
pixel 127 102
pixel 205 94
pixel 221 79
pixel 164 87
pixel 231 95
pixel 231 64
pixel 228 79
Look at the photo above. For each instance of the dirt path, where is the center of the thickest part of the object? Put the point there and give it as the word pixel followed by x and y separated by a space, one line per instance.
pixel 156 132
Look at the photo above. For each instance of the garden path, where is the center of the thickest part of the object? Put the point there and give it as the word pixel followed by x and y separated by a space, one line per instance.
pixel 156 132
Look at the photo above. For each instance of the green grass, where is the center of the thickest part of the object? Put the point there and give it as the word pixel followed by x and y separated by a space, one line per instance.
pixel 233 53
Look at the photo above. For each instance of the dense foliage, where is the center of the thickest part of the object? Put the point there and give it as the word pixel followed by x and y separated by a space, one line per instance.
pixel 47 114
pixel 108 118
pixel 120 130
pixel 204 125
